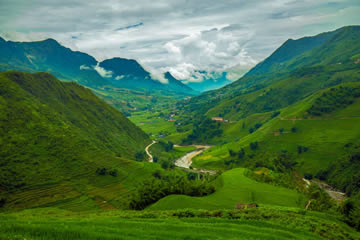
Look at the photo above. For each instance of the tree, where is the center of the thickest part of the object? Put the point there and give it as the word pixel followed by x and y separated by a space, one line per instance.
pixel 241 153
pixel 299 149
pixel 113 173
pixel 2 202
pixel 192 176
pixel 275 114
pixel 258 125
pixel 157 174
pixel 308 176
pixel 232 153
pixel 254 145
pixel 101 171
pixel 165 164
pixel 293 129
pixel 155 159
pixel 251 130
pixel 281 130
pixel 140 156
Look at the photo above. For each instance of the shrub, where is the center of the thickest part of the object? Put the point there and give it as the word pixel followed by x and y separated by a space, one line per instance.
pixel 140 156
pixel 308 176
pixel 157 174
pixel 101 171
pixel 241 153
pixel 275 114
pixel 2 202
pixel 254 145
pixel 232 153
pixel 113 173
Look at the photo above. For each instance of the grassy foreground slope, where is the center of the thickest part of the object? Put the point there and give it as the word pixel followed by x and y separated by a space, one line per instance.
pixel 234 187
pixel 261 223
pixel 54 136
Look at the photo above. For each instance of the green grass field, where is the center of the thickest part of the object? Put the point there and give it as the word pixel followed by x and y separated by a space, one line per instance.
pixel 261 223
pixel 234 187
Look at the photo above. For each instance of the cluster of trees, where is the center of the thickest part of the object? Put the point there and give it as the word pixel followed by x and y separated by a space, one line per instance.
pixel 204 130
pixel 2 202
pixel 140 156
pixel 344 174
pixel 275 114
pixel 336 98
pixel 320 200
pixel 256 127
pixel 254 145
pixel 160 186
pixel 302 149
pixel 103 171
pixel 167 164
pixel 240 154
pixel 168 146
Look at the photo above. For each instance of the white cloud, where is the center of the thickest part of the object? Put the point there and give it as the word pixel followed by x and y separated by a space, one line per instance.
pixel 84 67
pixel 103 72
pixel 119 77
pixel 156 74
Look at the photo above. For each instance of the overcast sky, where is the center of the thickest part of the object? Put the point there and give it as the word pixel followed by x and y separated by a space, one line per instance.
pixel 177 35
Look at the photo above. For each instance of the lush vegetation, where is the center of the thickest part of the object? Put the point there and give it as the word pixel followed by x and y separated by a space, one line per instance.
pixel 295 115
pixel 256 223
pixel 234 187
pixel 55 137
pixel 162 185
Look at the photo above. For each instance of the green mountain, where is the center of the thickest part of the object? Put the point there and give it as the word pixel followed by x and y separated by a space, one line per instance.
pixel 50 56
pixel 54 136
pixel 178 86
pixel 128 73
pixel 296 70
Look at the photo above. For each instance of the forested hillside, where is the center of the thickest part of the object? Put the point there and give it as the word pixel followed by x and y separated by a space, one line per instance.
pixel 55 133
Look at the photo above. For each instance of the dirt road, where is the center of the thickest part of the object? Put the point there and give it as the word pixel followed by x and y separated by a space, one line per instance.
pixel 186 160
pixel 150 159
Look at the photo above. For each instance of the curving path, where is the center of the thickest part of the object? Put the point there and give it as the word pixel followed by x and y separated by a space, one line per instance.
pixel 186 160
pixel 150 159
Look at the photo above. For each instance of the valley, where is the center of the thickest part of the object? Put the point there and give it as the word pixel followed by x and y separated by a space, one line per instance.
pixel 272 155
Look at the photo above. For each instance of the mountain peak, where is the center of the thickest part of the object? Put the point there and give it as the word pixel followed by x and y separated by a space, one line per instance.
pixel 51 41
pixel 169 76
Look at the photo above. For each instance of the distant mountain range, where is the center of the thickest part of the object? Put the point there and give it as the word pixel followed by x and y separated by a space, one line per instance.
pixel 50 56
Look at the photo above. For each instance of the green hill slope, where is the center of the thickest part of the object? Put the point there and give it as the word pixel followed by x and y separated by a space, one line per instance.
pixel 324 123
pixel 53 138
pixel 235 188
